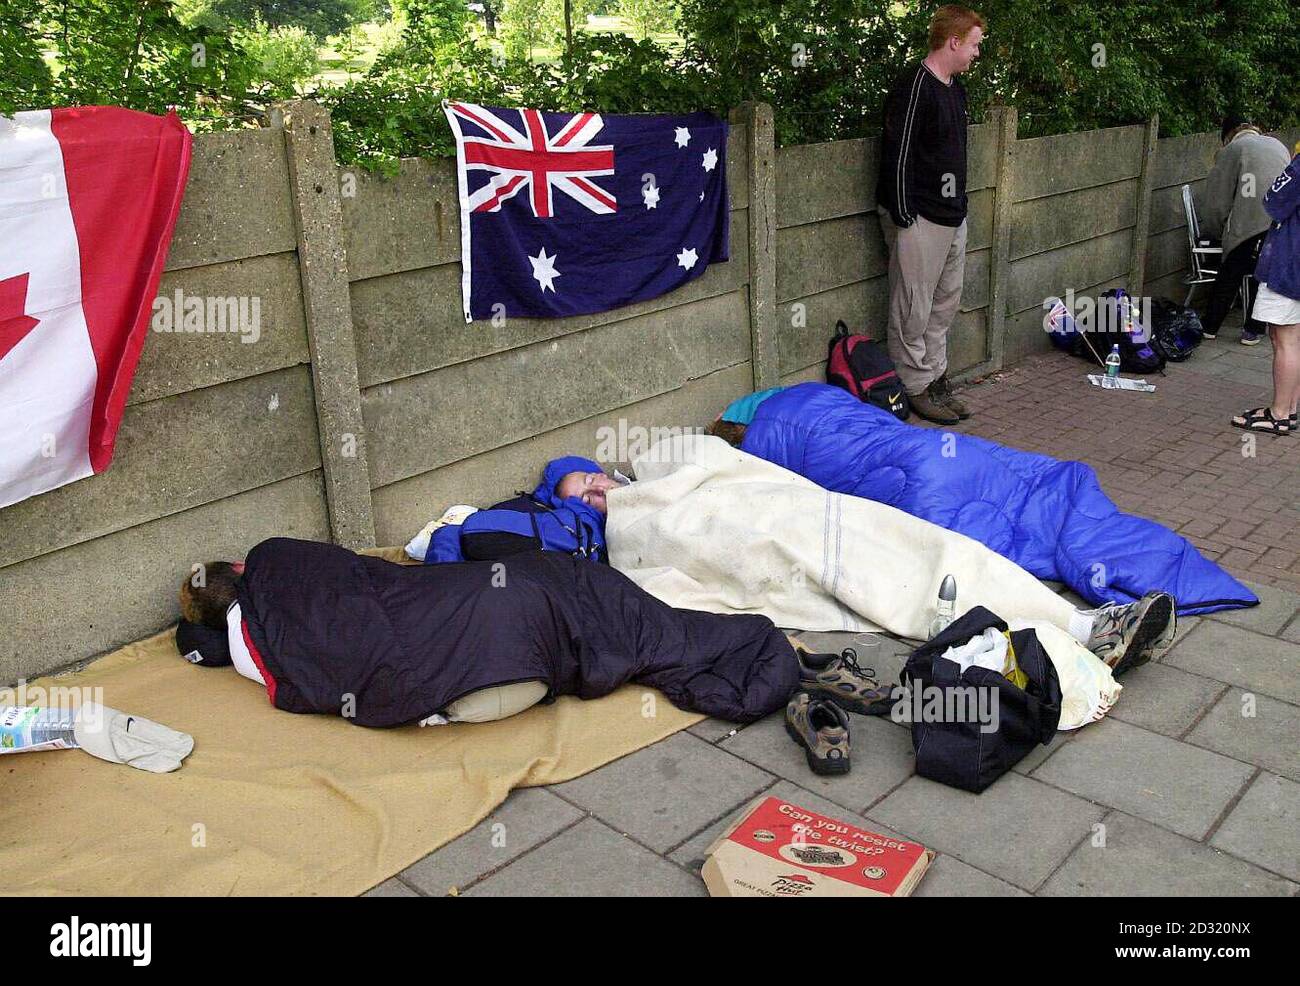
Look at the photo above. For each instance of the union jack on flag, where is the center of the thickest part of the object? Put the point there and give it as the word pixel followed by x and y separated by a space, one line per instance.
pixel 573 213
pixel 536 160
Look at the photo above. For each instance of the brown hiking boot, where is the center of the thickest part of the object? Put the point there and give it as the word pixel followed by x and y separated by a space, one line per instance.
pixel 822 729
pixel 928 407
pixel 941 391
pixel 839 678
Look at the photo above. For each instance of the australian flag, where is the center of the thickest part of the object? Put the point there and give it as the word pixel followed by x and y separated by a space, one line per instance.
pixel 572 213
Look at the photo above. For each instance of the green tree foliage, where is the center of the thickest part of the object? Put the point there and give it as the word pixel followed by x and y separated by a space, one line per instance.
pixel 135 54
pixel 286 55
pixel 320 18
pixel 398 112
pixel 1081 66
pixel 824 65
pixel 26 81
pixel 648 16
pixel 427 26
pixel 525 25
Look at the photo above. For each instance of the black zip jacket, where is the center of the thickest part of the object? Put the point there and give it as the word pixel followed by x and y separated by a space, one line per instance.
pixel 923 150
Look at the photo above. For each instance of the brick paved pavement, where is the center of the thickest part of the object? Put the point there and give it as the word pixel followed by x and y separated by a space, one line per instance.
pixel 1171 455
pixel 1191 787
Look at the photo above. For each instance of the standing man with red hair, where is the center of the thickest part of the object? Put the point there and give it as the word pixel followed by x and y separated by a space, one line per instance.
pixel 921 199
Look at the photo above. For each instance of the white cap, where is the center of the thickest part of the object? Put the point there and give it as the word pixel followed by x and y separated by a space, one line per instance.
pixel 120 738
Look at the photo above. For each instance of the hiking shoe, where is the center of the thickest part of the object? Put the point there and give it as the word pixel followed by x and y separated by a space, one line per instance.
pixel 1251 338
pixel 840 679
pixel 1126 636
pixel 929 408
pixel 941 391
pixel 822 729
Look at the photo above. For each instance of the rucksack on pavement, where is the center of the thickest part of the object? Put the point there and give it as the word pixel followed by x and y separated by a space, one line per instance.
pixel 862 366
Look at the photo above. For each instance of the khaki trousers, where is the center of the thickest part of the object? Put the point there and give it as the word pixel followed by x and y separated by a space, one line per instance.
pixel 927 263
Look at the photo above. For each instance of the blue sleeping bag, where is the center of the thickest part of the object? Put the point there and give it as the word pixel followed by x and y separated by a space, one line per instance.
pixel 1049 517
pixel 529 522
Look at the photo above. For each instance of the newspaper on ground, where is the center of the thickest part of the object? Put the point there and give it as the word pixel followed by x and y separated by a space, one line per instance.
pixel 1123 383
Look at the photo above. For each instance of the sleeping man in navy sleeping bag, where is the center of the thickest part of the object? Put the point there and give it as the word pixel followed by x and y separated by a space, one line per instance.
pixel 327 630
pixel 1049 517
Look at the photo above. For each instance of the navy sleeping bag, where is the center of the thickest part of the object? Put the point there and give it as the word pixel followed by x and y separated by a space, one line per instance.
pixel 1049 517
pixel 332 630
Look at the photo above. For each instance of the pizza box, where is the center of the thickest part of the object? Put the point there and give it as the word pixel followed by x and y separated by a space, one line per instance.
pixel 778 849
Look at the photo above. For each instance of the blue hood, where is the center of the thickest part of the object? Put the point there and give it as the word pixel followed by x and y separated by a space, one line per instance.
pixel 555 471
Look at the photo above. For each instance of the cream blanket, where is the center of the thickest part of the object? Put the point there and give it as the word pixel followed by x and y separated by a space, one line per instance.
pixel 709 527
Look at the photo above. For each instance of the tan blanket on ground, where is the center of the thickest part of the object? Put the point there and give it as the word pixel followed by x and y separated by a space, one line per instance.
pixel 275 803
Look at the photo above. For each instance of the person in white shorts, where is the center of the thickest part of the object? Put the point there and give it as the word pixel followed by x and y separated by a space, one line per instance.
pixel 1278 304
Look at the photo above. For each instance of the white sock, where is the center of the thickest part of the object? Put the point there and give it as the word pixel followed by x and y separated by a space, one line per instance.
pixel 1081 622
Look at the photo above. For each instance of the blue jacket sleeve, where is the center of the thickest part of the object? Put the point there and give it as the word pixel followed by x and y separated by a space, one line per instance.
pixel 444 546
pixel 1283 197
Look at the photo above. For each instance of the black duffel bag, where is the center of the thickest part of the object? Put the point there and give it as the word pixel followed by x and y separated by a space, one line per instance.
pixel 960 753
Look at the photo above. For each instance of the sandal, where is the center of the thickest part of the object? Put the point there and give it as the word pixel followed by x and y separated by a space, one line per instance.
pixel 1261 419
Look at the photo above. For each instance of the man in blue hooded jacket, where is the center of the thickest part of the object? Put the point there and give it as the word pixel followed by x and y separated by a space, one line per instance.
pixel 565 512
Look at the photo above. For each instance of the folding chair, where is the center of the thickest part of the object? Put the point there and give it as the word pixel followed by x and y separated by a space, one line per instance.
pixel 1203 251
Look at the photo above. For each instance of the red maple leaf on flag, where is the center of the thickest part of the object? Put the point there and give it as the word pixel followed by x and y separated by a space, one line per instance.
pixel 15 323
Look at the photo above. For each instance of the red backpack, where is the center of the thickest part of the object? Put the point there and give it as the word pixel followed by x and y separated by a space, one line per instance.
pixel 863 368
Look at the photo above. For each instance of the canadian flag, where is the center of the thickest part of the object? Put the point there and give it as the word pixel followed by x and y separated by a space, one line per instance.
pixel 88 200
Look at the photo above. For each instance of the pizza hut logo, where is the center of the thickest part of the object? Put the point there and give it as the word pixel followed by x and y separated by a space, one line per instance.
pixel 812 855
pixel 792 885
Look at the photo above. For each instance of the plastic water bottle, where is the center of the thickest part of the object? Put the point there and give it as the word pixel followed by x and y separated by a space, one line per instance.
pixel 26 727
pixel 946 610
pixel 1111 380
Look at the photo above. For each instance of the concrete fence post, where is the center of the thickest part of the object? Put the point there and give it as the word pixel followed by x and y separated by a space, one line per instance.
pixel 323 269
pixel 761 147
pixel 1000 260
pixel 1142 224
